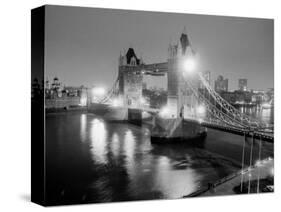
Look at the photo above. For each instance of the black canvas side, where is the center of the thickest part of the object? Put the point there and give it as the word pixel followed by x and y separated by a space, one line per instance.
pixel 37 106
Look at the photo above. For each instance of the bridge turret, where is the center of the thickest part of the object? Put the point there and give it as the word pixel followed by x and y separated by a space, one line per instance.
pixel 177 93
pixel 184 41
pixel 130 81
pixel 131 55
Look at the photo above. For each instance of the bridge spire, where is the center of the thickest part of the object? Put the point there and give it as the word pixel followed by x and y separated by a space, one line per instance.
pixel 184 41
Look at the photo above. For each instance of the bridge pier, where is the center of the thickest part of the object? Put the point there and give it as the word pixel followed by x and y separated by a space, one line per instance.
pixel 177 130
pixel 181 100
pixel 135 116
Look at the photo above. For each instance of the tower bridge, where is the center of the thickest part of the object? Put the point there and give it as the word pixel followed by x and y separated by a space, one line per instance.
pixel 190 96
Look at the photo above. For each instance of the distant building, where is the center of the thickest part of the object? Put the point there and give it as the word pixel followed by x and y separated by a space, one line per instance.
pixel 47 84
pixel 242 84
pixel 58 96
pixel 221 84
pixel 56 84
pixel 237 97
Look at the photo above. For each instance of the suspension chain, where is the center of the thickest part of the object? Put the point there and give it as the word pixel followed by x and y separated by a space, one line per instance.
pixel 213 110
pixel 232 111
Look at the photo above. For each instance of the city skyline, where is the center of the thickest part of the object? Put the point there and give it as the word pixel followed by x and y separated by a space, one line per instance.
pixel 148 79
pixel 82 46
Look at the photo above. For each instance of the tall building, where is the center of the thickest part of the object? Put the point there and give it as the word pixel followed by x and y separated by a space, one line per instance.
pixel 221 84
pixel 242 84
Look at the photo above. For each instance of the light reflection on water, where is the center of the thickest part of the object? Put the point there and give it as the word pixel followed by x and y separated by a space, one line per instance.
pixel 98 136
pixel 263 114
pixel 93 160
pixel 115 144
pixel 83 124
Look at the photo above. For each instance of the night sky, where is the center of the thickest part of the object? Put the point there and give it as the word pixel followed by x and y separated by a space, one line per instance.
pixel 83 44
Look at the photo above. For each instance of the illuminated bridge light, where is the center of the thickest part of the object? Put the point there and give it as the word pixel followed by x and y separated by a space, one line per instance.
pixel 98 91
pixel 117 102
pixel 189 65
pixel 165 112
pixel 272 171
pixel 201 109
pixel 144 102
pixel 258 163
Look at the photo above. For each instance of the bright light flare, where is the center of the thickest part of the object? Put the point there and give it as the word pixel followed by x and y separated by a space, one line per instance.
pixel 201 109
pixel 117 102
pixel 189 65
pixel 266 105
pixel 83 101
pixel 272 171
pixel 165 112
pixel 258 163
pixel 98 91
pixel 144 102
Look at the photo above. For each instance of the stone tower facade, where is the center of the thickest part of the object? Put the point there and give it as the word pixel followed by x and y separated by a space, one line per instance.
pixel 130 79
pixel 180 98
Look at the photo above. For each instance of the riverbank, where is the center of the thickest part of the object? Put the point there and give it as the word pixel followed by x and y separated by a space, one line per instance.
pixel 262 171
pixel 66 109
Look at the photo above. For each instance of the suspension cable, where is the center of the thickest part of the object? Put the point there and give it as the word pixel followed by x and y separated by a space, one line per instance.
pixel 251 157
pixel 259 161
pixel 232 110
pixel 111 92
pixel 242 166
pixel 213 110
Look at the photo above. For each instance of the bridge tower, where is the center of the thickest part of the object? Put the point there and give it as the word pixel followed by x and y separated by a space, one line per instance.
pixel 180 98
pixel 130 79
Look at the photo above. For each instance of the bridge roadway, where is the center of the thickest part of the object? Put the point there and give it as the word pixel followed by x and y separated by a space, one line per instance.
pixel 266 136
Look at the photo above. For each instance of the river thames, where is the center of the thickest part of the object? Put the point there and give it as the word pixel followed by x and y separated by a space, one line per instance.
pixel 91 160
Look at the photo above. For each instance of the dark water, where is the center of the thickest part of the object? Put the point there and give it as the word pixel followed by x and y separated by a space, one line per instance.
pixel 91 160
